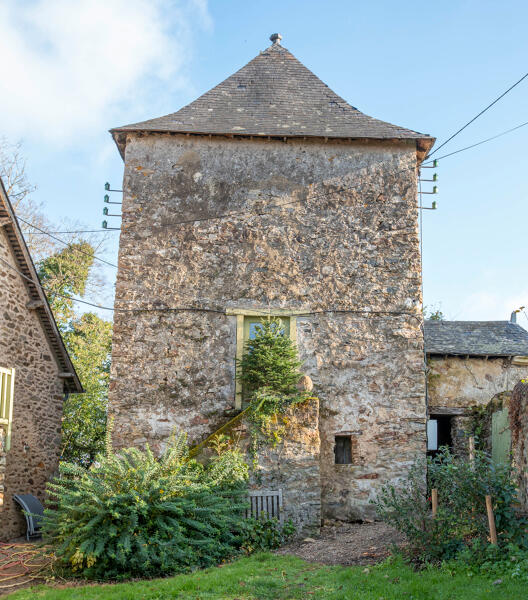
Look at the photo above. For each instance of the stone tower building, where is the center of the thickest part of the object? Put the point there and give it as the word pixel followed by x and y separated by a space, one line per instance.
pixel 270 194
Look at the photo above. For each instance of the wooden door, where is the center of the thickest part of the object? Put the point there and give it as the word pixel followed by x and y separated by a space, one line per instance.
pixel 500 436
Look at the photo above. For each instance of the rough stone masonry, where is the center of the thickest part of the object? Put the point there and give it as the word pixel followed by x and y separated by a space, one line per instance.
pixel 31 345
pixel 324 229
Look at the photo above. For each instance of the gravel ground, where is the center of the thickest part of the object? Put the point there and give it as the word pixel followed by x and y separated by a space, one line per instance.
pixel 347 544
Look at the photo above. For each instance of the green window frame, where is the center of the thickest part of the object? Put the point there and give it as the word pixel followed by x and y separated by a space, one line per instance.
pixel 244 321
pixel 7 389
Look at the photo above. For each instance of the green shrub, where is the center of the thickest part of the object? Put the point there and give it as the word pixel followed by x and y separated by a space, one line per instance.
pixel 132 514
pixel 265 534
pixel 461 520
pixel 509 561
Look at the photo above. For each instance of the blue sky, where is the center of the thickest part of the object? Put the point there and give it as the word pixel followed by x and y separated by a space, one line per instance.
pixel 72 70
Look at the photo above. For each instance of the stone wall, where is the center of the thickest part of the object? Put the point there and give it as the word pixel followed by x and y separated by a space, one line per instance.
pixel 328 229
pixel 37 409
pixel 461 383
pixel 518 413
pixel 293 466
pixel 3 458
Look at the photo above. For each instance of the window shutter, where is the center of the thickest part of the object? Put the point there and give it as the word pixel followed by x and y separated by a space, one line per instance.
pixel 7 386
pixel 343 450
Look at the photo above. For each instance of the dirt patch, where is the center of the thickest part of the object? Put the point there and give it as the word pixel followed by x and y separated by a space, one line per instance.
pixel 347 544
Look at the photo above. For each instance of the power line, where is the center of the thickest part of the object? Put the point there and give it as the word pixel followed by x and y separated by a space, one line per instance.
pixel 224 215
pixel 45 289
pixel 237 213
pixel 494 137
pixel 220 216
pixel 240 213
pixel 479 114
pixel 262 312
pixel 59 232
pixel 68 244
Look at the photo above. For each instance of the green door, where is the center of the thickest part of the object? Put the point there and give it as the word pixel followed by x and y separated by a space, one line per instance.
pixel 500 436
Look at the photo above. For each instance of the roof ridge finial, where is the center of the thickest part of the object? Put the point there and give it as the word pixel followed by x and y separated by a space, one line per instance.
pixel 276 38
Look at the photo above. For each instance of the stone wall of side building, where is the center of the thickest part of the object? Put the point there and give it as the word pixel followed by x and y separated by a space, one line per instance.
pixel 456 385
pixel 37 403
pixel 325 229
pixel 462 383
pixel 518 416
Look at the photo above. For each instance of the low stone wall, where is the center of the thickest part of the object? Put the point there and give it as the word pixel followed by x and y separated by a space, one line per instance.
pixel 518 412
pixel 293 466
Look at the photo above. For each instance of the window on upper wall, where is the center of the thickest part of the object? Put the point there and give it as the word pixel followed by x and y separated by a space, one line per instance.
pixel 7 386
pixel 343 450
pixel 251 325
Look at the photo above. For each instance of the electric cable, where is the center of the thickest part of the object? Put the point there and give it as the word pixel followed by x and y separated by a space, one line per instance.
pixel 262 312
pixel 200 219
pixel 68 244
pixel 479 114
pixel 494 137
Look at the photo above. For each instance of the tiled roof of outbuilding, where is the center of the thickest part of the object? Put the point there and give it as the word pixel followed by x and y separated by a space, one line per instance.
pixel 274 95
pixel 476 338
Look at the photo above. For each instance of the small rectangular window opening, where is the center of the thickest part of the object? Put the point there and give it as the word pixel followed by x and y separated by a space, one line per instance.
pixel 343 450
pixel 438 433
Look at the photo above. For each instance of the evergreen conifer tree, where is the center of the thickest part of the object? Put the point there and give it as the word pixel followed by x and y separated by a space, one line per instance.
pixel 270 361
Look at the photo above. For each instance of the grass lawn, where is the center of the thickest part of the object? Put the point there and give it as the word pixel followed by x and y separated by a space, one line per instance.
pixel 268 576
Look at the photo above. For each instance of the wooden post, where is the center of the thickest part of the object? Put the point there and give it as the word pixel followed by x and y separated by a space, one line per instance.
pixel 434 501
pixel 471 449
pixel 491 520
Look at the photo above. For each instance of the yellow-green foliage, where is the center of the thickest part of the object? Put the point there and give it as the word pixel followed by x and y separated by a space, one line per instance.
pixel 132 514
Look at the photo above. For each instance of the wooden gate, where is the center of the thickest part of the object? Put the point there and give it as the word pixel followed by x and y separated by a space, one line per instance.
pixel 500 437
pixel 266 504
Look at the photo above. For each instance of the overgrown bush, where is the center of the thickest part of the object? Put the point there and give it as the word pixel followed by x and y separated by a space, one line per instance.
pixel 132 514
pixel 508 561
pixel 265 534
pixel 461 520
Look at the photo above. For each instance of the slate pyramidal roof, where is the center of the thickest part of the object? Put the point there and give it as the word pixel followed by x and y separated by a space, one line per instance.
pixel 274 95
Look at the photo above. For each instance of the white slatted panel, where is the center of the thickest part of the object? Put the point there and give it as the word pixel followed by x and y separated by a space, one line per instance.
pixel 265 504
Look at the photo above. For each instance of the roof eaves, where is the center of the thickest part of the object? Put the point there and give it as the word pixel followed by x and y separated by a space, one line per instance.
pixel 26 266
pixel 119 135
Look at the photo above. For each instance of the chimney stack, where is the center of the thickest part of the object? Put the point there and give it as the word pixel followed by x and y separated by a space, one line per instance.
pixel 513 318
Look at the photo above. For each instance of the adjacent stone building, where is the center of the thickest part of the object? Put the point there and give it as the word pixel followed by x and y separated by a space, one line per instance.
pixel 471 363
pixel 271 195
pixel 35 373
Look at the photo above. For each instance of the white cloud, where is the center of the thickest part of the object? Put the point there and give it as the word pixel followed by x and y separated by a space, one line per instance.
pixel 71 68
